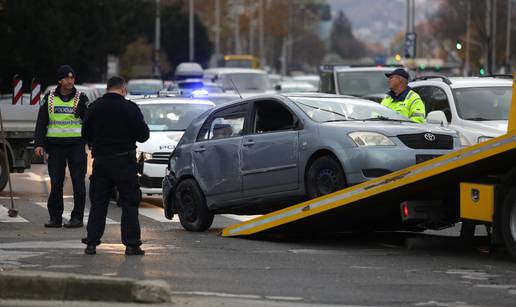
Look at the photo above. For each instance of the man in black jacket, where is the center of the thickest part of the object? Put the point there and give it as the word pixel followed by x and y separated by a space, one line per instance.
pixel 58 132
pixel 112 127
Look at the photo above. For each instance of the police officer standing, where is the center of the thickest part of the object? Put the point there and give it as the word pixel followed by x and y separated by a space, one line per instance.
pixel 112 127
pixel 58 132
pixel 402 99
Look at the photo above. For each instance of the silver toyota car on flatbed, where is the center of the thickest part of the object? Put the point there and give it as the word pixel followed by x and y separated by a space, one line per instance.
pixel 259 153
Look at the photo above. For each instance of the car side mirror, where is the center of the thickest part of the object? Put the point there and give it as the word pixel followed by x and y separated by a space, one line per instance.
pixel 277 87
pixel 437 117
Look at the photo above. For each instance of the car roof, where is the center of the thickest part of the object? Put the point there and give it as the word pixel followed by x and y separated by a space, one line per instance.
pixel 367 68
pixel 464 82
pixel 231 70
pixel 172 100
pixel 145 81
pixel 296 84
pixel 305 77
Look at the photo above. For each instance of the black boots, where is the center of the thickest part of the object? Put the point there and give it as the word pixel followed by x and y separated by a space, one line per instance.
pixel 134 251
pixel 54 224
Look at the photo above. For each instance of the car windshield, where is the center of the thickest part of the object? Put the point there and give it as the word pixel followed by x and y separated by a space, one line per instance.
pixel 483 103
pixel 341 109
pixel 171 117
pixel 138 88
pixel 245 82
pixel 360 83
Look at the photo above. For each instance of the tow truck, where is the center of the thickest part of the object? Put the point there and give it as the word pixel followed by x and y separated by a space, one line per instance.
pixel 474 185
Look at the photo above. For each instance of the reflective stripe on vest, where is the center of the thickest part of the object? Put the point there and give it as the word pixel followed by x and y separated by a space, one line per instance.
pixel 62 122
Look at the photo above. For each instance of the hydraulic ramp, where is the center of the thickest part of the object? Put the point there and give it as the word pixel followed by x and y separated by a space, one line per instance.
pixel 378 201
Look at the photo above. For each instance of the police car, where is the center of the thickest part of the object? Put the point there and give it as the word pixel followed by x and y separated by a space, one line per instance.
pixel 167 118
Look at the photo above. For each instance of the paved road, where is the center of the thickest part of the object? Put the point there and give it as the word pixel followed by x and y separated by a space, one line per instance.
pixel 373 269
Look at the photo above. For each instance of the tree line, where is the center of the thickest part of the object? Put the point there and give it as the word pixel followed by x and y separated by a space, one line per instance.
pixel 37 36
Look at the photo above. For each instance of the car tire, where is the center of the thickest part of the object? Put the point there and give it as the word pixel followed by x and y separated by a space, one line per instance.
pixel 191 206
pixel 325 176
pixel 508 221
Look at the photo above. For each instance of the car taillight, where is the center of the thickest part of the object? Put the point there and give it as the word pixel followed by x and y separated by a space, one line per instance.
pixel 404 210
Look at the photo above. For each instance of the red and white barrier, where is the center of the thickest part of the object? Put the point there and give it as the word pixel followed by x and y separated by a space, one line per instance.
pixel 17 89
pixel 35 94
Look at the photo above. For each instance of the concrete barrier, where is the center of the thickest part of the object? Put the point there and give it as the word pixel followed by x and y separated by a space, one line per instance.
pixel 63 286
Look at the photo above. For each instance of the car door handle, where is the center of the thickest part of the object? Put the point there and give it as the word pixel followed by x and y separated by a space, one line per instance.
pixel 249 143
pixel 200 149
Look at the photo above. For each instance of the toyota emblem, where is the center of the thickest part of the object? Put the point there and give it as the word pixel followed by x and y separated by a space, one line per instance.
pixel 429 137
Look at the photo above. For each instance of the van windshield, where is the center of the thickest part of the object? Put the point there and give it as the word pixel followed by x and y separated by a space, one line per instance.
pixel 360 83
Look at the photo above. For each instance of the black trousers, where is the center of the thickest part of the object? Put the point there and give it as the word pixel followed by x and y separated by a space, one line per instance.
pixel 58 157
pixel 110 172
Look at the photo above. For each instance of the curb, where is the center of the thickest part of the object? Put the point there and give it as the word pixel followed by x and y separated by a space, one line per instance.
pixel 64 286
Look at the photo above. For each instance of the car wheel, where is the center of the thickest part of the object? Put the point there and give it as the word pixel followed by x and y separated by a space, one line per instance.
pixel 508 221
pixel 325 176
pixel 191 206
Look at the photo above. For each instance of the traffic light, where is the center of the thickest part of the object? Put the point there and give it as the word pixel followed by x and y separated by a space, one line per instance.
pixel 458 45
pixel 482 71
pixel 422 66
pixel 397 57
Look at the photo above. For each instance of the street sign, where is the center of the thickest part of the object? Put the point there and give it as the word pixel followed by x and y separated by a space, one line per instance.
pixel 410 45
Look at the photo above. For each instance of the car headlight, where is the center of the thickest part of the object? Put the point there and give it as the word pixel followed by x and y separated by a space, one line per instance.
pixel 370 139
pixel 483 138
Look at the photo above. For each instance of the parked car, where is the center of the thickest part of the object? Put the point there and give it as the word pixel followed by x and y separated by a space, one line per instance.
pixel 217 98
pixel 259 153
pixel 295 86
pixel 167 118
pixel 476 107
pixel 142 87
pixel 246 80
pixel 312 79
pixel 356 81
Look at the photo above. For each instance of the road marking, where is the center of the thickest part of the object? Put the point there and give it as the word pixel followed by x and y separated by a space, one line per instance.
pixel 241 296
pixel 11 258
pixel 4 217
pixel 68 207
pixel 33 177
pixel 8 197
pixel 241 218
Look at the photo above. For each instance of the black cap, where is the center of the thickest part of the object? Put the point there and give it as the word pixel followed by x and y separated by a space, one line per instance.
pixel 64 72
pixel 398 72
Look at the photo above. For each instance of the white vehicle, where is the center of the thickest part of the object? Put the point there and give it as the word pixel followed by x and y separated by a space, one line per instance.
pixel 312 79
pixel 248 81
pixel 167 118
pixel 343 79
pixel 476 107
pixel 143 87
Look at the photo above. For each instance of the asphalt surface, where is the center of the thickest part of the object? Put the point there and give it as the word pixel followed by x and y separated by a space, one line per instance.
pixel 372 269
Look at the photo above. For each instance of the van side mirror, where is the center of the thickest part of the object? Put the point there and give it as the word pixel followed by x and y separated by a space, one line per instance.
pixel 437 117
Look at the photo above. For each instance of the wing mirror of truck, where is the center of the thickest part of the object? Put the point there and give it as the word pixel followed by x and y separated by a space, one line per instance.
pixel 437 117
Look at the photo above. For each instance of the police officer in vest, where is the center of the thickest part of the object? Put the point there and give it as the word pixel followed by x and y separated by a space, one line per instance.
pixel 402 99
pixel 58 132
pixel 112 127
